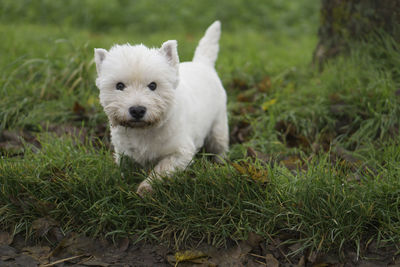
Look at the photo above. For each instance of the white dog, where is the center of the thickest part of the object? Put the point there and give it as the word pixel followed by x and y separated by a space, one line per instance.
pixel 161 111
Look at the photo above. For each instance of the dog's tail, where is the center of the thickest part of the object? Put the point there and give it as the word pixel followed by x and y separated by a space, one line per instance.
pixel 207 50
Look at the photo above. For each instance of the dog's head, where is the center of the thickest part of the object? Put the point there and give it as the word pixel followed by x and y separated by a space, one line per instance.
pixel 137 84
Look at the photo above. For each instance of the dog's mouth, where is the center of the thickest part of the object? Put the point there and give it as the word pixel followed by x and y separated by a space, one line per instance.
pixel 135 124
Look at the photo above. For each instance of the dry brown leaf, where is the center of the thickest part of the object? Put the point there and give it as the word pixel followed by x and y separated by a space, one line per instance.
pixel 244 97
pixel 39 253
pixel 7 252
pixel 235 256
pixel 254 240
pixel 56 234
pixel 254 154
pixel 73 244
pixel 78 109
pixel 302 262
pixel 239 84
pixel 43 225
pixel 240 132
pixel 256 173
pixel 291 136
pixel 26 261
pixel 292 162
pixel 271 261
pixel 312 257
pixel 5 238
pixel 264 85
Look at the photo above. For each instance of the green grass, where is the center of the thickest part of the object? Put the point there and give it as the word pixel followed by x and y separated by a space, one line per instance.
pixel 296 116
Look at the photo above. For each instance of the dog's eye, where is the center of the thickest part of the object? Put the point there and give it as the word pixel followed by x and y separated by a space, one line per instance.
pixel 120 86
pixel 152 86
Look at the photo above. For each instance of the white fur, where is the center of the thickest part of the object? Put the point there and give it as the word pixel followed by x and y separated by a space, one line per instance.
pixel 186 111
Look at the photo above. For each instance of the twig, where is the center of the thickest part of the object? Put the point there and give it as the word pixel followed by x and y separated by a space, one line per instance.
pixel 263 263
pixel 62 260
pixel 257 256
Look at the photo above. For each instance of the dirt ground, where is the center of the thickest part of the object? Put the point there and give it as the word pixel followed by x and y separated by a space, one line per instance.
pixel 76 250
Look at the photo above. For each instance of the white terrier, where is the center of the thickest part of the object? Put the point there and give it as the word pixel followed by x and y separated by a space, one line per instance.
pixel 161 111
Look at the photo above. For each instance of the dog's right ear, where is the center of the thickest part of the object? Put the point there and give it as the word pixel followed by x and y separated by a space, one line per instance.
pixel 99 56
pixel 170 51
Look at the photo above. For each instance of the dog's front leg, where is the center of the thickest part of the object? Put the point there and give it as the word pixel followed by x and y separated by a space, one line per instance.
pixel 167 165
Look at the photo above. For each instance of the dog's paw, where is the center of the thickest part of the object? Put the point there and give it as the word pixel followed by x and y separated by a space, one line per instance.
pixel 219 160
pixel 144 188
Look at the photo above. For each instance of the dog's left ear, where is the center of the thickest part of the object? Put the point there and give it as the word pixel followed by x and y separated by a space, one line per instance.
pixel 169 49
pixel 99 56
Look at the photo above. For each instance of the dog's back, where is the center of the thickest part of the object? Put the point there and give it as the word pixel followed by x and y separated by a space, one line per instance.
pixel 200 92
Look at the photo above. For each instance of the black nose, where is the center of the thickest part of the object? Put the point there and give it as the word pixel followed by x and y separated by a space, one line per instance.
pixel 137 112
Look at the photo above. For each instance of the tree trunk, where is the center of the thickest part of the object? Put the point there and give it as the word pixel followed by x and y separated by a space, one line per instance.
pixel 344 21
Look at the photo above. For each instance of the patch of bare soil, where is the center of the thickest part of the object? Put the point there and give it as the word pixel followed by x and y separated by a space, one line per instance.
pixel 76 250
pixel 12 141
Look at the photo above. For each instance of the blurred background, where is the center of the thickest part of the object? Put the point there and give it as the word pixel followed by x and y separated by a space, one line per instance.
pixel 290 17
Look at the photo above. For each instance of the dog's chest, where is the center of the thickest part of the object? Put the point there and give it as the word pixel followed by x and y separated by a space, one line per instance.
pixel 143 147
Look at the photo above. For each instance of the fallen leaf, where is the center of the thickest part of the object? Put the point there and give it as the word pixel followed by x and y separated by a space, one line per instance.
pixel 312 257
pixel 43 225
pixel 266 105
pixel 240 133
pixel 56 234
pixel 254 154
pixel 189 255
pixel 235 256
pixel 302 262
pixel 264 85
pixel 293 162
pixel 254 240
pixel 256 173
pixel 239 84
pixel 5 238
pixel 26 261
pixel 290 135
pixel 271 261
pixel 7 252
pixel 245 97
pixel 73 244
pixel 39 253
pixel 78 109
